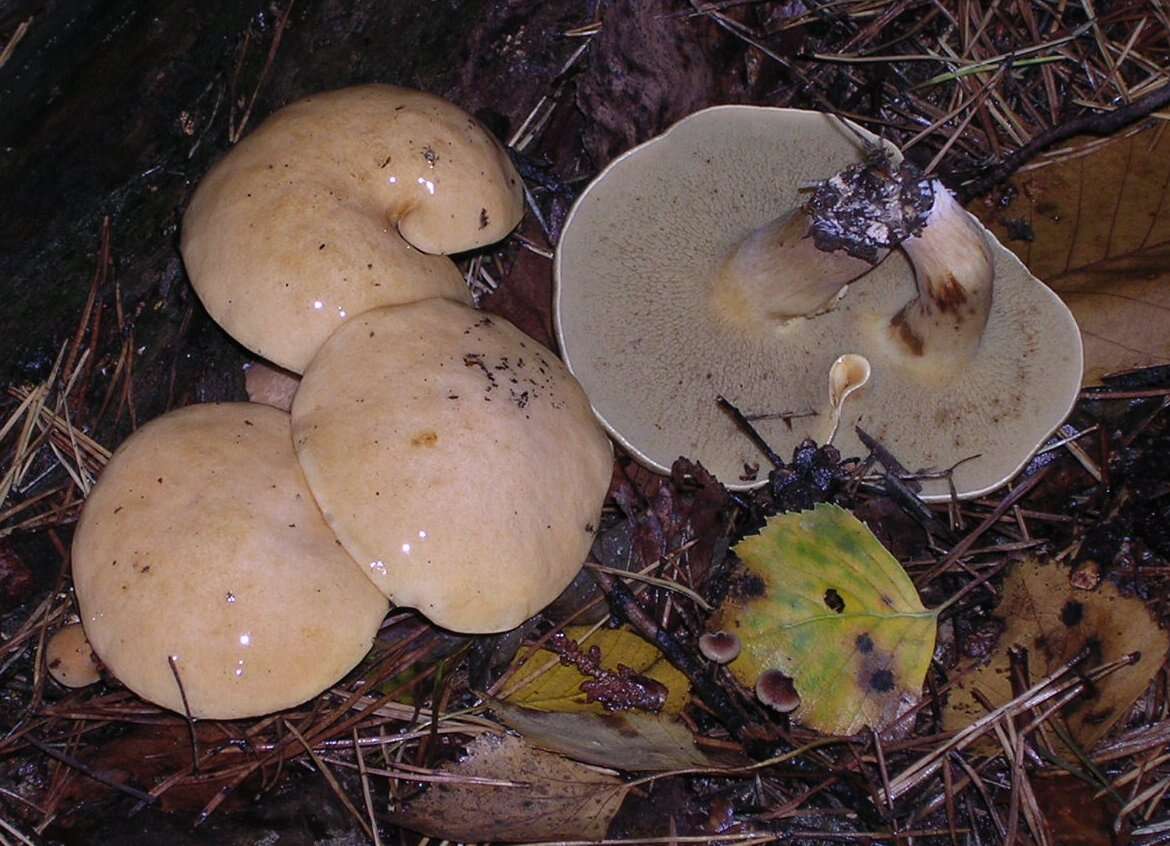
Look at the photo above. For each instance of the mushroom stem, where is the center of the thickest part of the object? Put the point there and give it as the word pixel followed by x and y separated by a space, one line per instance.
pixel 953 270
pixel 777 273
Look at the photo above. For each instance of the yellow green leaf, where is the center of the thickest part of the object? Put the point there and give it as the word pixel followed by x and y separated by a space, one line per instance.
pixel 633 741
pixel 559 688
pixel 828 606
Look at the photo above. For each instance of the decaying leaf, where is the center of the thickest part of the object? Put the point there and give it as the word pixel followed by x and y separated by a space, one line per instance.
pixel 1054 621
pixel 146 755
pixel 632 741
pixel 1095 227
pixel 1078 814
pixel 559 689
pixel 827 605
pixel 554 797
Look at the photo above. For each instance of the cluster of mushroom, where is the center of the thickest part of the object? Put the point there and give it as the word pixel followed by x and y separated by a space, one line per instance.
pixel 235 559
pixel 457 461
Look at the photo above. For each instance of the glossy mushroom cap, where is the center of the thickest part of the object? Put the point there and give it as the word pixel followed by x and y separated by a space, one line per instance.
pixel 201 543
pixel 457 460
pixel 643 321
pixel 339 203
pixel 70 658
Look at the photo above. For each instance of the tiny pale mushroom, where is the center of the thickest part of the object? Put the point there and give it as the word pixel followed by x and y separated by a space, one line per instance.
pixel 684 273
pixel 203 567
pixel 339 203
pixel 70 658
pixel 269 385
pixel 457 460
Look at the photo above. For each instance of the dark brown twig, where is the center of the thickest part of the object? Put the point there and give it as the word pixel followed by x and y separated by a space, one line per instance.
pixel 236 130
pixel 887 459
pixel 748 429
pixel 962 547
pixel 713 696
pixel 96 775
pixel 186 713
pixel 1100 123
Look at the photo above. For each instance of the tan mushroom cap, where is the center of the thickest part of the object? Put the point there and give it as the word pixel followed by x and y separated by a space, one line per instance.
pixel 457 460
pixel 201 541
pixel 635 268
pixel 331 207
pixel 70 658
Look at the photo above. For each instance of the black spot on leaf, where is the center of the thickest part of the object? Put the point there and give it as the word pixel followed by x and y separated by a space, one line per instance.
pixel 1072 613
pixel 882 681
pixel 834 601
pixel 750 586
pixel 864 644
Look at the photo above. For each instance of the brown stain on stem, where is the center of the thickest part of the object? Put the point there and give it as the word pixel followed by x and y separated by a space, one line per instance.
pixel 905 332
pixel 949 295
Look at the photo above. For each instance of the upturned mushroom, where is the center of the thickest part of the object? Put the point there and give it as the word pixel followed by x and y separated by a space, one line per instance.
pixel 457 460
pixel 693 267
pixel 207 580
pixel 339 203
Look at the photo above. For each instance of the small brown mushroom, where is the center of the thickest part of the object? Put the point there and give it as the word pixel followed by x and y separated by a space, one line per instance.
pixel 457 460
pixel 205 574
pixel 339 203
pixel 70 658
pixel 683 273
pixel 777 691
pixel 720 647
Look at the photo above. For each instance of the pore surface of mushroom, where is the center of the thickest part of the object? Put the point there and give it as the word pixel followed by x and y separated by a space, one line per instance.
pixel 201 545
pixel 649 324
pixel 339 203
pixel 457 460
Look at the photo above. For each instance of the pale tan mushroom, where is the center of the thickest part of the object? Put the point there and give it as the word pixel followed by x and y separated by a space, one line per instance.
pixel 270 385
pixel 457 460
pixel 201 560
pixel 339 203
pixel 663 301
pixel 70 658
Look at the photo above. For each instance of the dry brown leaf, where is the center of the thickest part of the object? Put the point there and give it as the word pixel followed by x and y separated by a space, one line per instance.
pixel 146 755
pixel 555 797
pixel 1054 621
pixel 1100 237
pixel 634 742
pixel 1076 814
